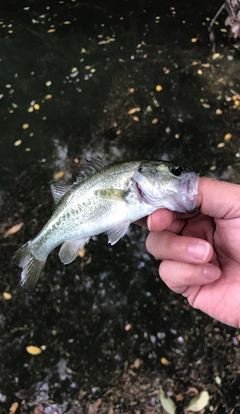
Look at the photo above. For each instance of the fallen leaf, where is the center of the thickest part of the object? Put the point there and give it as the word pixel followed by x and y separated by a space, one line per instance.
pixel 128 327
pixel 48 96
pixel 92 409
pixel 137 363
pixel 154 121
pixel 13 408
pixel 82 252
pixel 227 137
pixel 33 350
pixel 59 175
pixel 25 126
pixel 133 110
pixel 164 361
pixel 135 118
pixel 216 56
pixel 17 143
pixel 219 112
pixel 194 40
pixel 198 403
pixel 166 402
pixel 7 296
pixel 14 229
pixel 158 88
pixel 51 30
pixel 36 106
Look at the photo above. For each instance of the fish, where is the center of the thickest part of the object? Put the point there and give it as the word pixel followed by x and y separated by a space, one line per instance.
pixel 105 198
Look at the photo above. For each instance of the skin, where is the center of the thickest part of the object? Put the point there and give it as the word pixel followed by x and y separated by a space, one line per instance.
pixel 201 253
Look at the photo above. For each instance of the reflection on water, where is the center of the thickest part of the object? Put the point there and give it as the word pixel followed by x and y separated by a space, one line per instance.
pixel 122 80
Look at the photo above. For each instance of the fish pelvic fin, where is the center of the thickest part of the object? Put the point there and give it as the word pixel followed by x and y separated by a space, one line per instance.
pixel 31 266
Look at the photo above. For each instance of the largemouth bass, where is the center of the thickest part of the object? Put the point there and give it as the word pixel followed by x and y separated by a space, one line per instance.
pixel 106 198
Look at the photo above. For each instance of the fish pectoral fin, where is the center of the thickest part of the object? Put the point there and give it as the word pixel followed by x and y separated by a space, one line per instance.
pixel 70 249
pixel 58 191
pixel 116 233
pixel 112 194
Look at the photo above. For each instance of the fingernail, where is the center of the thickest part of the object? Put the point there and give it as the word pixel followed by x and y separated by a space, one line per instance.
pixel 149 219
pixel 211 272
pixel 198 250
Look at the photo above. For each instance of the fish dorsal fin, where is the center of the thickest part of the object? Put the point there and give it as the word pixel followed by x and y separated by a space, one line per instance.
pixel 58 191
pixel 90 167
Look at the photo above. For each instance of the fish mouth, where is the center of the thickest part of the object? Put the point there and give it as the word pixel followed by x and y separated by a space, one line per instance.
pixel 189 191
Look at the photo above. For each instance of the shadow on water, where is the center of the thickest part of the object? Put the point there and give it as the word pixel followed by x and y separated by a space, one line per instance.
pixel 122 80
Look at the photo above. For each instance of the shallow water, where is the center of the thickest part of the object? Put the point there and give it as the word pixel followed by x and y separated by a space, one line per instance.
pixel 70 74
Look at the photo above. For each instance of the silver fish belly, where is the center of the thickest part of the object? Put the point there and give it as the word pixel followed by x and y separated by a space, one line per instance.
pixel 106 198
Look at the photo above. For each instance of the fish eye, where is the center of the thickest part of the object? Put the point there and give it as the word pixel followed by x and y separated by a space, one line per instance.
pixel 176 169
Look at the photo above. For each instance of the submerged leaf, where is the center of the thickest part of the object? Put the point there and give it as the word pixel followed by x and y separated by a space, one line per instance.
pixel 167 404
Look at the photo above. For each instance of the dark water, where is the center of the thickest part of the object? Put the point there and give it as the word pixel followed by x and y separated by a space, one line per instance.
pixel 70 72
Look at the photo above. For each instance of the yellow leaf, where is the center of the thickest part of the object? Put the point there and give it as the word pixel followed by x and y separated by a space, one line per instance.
pixel 36 106
pixel 33 350
pixel 194 40
pixel 48 96
pixel 7 295
pixel 133 110
pixel 48 83
pixel 58 175
pixel 164 361
pixel 216 56
pixel 158 88
pixel 17 143
pixel 154 121
pixel 13 229
pixel 82 252
pixel 219 112
pixel 13 408
pixel 51 30
pixel 25 126
pixel 227 137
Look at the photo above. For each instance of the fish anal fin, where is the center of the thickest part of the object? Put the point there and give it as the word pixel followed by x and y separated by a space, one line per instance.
pixel 70 249
pixel 58 191
pixel 116 233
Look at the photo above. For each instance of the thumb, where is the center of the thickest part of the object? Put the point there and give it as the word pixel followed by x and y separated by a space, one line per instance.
pixel 218 199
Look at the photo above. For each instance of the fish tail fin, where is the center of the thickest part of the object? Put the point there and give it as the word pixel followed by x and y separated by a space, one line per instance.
pixel 31 266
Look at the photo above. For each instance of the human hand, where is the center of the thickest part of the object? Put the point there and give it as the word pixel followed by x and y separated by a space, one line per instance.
pixel 201 252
